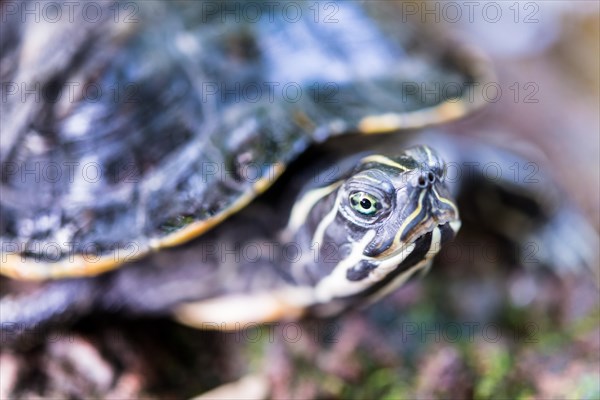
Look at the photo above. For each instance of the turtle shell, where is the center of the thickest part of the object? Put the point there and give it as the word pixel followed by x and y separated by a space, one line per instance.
pixel 120 137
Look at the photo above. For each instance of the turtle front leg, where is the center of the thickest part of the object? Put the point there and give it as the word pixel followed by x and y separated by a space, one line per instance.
pixel 218 272
pixel 29 316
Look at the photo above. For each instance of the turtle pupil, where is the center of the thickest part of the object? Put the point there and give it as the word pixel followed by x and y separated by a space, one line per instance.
pixel 365 203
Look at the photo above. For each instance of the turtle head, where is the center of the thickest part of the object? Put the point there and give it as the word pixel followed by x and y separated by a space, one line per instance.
pixel 368 232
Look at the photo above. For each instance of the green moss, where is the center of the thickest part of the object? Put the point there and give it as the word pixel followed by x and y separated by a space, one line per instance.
pixel 255 343
pixel 494 371
pixel 382 383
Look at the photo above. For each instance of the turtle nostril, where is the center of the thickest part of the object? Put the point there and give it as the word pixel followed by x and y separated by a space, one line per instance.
pixel 421 181
pixel 430 176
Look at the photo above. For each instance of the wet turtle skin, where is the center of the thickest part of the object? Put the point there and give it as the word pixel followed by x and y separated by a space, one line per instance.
pixel 152 129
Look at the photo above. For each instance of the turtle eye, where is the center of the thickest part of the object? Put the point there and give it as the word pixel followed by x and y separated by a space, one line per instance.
pixel 364 203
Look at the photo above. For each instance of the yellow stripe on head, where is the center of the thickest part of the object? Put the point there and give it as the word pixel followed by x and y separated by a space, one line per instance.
pixel 428 152
pixel 445 201
pixel 410 218
pixel 302 208
pixel 376 158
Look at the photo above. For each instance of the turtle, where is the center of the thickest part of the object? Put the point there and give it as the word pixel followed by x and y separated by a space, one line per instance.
pixel 220 166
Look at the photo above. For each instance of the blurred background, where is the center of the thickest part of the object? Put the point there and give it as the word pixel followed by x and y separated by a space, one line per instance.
pixel 469 329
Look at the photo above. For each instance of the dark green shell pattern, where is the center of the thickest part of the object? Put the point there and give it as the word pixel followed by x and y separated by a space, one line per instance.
pixel 150 125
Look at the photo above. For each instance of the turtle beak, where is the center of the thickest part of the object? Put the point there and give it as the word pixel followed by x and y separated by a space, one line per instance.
pixel 442 206
pixel 444 211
